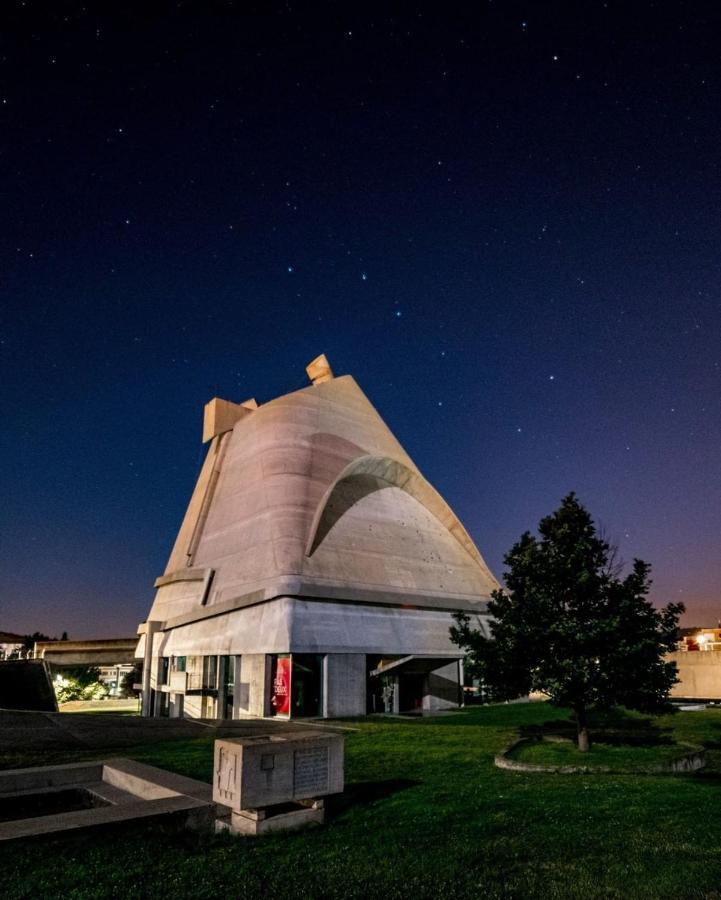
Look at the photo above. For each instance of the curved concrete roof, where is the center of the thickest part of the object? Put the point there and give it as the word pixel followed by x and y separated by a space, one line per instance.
pixel 311 495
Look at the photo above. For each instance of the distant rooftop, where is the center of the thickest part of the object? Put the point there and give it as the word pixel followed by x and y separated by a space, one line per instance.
pixel 7 637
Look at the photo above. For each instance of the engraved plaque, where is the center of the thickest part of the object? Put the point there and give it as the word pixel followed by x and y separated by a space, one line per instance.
pixel 225 775
pixel 310 771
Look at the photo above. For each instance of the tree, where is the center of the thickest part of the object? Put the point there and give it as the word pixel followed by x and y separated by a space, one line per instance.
pixel 79 683
pixel 569 626
pixel 135 676
pixel 32 639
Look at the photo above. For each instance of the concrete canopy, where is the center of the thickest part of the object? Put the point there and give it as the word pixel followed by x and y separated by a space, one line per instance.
pixel 311 496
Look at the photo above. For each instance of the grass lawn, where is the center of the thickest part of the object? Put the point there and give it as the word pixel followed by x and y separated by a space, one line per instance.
pixel 429 816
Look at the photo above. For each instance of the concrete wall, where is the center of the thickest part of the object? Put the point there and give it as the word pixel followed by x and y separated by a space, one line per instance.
pixel 199 706
pixel 344 684
pixel 251 688
pixel 442 688
pixel 291 625
pixel 699 673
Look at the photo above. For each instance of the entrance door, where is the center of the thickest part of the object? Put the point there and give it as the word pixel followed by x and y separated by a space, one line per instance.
pixel 306 685
pixel 411 690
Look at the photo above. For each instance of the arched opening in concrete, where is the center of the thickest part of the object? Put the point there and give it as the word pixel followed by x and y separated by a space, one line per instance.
pixel 367 474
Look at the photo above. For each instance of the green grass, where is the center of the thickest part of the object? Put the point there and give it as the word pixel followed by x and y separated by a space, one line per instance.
pixel 427 815
pixel 617 757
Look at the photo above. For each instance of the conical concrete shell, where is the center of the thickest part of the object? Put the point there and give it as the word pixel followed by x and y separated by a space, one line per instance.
pixel 311 495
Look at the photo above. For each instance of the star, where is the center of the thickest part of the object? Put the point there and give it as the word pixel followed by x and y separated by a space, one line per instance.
pixel 291 269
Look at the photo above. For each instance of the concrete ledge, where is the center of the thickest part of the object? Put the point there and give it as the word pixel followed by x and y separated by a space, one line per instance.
pixel 691 758
pixel 132 790
pixel 182 812
pixel 181 575
pixel 13 781
pixel 293 589
pixel 242 823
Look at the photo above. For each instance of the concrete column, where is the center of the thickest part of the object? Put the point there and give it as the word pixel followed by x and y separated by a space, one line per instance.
pixel 152 628
pixel 223 662
pixel 236 689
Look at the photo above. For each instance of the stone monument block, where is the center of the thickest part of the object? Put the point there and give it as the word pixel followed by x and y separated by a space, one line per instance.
pixel 253 774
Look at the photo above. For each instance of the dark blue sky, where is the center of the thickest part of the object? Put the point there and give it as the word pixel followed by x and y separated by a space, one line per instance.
pixel 502 218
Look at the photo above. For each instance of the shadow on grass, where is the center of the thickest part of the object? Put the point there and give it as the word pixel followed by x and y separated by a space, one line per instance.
pixel 616 727
pixel 362 793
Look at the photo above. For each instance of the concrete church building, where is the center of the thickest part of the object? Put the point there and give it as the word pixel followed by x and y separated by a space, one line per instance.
pixel 315 572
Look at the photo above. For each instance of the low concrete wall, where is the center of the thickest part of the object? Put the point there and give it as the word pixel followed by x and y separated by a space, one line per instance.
pixel 135 791
pixel 690 759
pixel 26 684
pixel 699 672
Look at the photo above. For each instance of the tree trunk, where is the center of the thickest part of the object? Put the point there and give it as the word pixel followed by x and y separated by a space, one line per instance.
pixel 584 742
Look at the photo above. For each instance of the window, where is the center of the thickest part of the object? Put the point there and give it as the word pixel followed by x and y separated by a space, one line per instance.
pixel 210 672
pixel 306 685
pixel 296 685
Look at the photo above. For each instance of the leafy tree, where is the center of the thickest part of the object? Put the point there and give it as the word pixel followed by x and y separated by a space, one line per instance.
pixel 129 679
pixel 569 626
pixel 79 683
pixel 32 639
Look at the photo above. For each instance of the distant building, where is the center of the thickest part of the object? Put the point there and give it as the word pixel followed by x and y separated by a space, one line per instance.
pixel 698 660
pixel 12 646
pixel 316 570
pixel 113 676
pixel 110 652
pixel 700 639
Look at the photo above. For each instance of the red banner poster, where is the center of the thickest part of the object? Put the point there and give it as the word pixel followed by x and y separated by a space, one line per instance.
pixel 281 686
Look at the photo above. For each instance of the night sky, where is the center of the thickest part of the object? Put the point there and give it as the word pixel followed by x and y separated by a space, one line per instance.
pixel 502 218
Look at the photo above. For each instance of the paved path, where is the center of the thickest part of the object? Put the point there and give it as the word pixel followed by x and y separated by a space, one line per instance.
pixel 38 731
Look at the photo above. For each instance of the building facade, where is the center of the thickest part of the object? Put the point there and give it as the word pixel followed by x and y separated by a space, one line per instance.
pixel 315 572
pixel 698 661
pixel 12 646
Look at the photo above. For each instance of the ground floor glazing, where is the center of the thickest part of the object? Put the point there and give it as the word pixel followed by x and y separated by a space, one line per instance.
pixel 301 685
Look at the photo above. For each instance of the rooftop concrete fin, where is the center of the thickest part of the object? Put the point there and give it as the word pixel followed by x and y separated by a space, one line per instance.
pixel 319 370
pixel 221 415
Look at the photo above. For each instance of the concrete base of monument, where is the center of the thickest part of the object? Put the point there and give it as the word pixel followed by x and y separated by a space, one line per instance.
pixel 282 817
pixel 69 798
